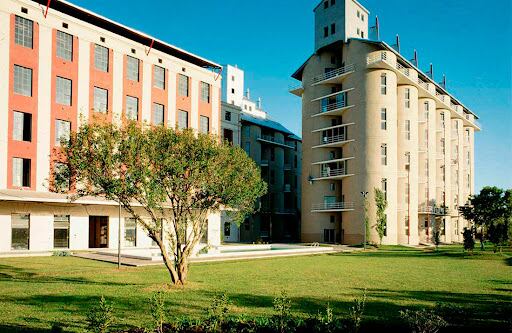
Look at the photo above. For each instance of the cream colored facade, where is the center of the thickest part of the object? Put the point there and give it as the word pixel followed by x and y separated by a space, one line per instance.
pixel 371 119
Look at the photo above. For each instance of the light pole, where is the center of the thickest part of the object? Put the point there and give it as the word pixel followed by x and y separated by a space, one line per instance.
pixel 364 194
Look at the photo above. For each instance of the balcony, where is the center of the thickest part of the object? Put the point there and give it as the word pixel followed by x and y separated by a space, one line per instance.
pixel 333 174
pixel 334 76
pixel 296 89
pixel 327 207
pixel 333 141
pixel 432 209
pixel 275 141
pixel 333 109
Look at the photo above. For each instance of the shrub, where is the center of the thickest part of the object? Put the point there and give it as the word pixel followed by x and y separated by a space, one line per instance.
pixel 453 313
pixel 356 313
pixel 61 254
pixel 326 322
pixel 216 313
pixel 469 241
pixel 56 328
pixel 158 311
pixel 100 317
pixel 423 321
pixel 282 317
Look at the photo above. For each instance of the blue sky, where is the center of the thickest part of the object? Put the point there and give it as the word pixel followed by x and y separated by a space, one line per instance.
pixel 468 40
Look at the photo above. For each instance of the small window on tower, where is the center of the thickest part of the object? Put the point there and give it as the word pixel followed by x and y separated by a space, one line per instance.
pixel 358 14
pixel 326 4
pixel 333 29
pixel 326 31
pixel 333 2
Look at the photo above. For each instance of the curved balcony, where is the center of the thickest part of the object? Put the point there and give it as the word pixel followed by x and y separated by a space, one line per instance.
pixel 296 89
pixel 334 76
pixel 333 174
pixel 333 109
pixel 328 207
pixel 333 141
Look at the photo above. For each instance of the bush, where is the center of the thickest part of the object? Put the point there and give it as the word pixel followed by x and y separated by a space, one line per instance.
pixel 101 317
pixel 216 314
pixel 469 241
pixel 356 313
pixel 423 321
pixel 453 313
pixel 158 311
pixel 61 254
pixel 282 317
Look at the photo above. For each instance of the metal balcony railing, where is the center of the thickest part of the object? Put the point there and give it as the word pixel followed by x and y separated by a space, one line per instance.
pixel 334 73
pixel 333 106
pixel 333 139
pixel 333 173
pixel 333 206
pixel 422 84
pixel 404 70
pixel 434 210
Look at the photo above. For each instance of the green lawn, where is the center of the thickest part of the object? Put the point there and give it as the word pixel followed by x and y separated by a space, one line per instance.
pixel 36 292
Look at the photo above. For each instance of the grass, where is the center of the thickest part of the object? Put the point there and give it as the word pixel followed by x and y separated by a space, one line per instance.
pixel 37 292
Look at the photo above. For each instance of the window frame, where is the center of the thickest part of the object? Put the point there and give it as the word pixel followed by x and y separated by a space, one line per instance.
pixel 128 112
pixel 23 32
pixel 159 82
pixel 183 85
pixel 61 90
pixel 131 74
pixel 100 63
pixel 201 124
pixel 64 45
pixel 179 119
pixel 161 108
pixel 21 80
pixel 95 102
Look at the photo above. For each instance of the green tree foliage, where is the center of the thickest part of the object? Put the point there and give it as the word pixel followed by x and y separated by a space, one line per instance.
pixel 469 241
pixel 491 212
pixel 100 318
pixel 168 180
pixel 381 221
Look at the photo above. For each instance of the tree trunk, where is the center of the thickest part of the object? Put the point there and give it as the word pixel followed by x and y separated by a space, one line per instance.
pixel 182 271
pixel 170 266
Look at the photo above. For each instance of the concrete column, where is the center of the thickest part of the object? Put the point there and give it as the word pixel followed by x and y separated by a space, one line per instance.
pixel 117 98
pixel 84 62
pixel 4 99
pixel 146 103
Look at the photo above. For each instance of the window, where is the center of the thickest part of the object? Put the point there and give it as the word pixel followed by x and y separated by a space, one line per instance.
pixel 22 81
pixel 358 31
pixel 20 231
pixel 329 235
pixel 158 114
pixel 23 32
pixel 407 158
pixel 62 131
pixel 326 4
pixel 183 85
pixel 182 119
pixel 205 92
pixel 362 17
pixel 332 186
pixel 333 2
pixel 132 108
pixel 407 98
pixel 467 136
pixel 362 34
pixel 384 154
pixel 383 84
pixel 22 126
pixel 159 77
pixel 130 232
pixel 407 130
pixel 228 135
pixel 20 172
pixel 407 225
pixel 332 219
pixel 101 58
pixel 64 46
pixel 383 119
pixel 227 116
pixel 62 178
pixel 227 229
pixel 442 120
pixel 63 91
pixel 61 231
pixel 326 31
pixel 204 124
pixel 384 187
pixel 132 68
pixel 333 29
pixel 427 109
pixel 358 14
pixel 100 100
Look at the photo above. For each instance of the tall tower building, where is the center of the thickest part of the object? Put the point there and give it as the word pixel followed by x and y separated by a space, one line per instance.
pixel 373 120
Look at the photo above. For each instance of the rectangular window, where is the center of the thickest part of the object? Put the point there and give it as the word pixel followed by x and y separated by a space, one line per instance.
pixel 130 232
pixel 228 135
pixel 62 178
pixel 158 114
pixel 333 29
pixel 205 92
pixel 204 124
pixel 20 231
pixel 22 81
pixel 63 91
pixel 326 32
pixel 383 119
pixel 407 98
pixel 384 187
pixel 383 84
pixel 227 116
pixel 64 46
pixel 183 85
pixel 442 121
pixel 326 4
pixel 23 32
pixel 159 77
pixel 61 231
pixel 182 119
pixel 100 100
pixel 407 130
pixel 62 131
pixel 227 229
pixel 384 154
pixel 22 126
pixel 20 172
pixel 132 68
pixel 101 58
pixel 132 108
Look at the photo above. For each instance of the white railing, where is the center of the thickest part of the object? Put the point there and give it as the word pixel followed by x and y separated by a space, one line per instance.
pixel 402 69
pixel 428 209
pixel 423 84
pixel 382 56
pixel 333 139
pixel 333 173
pixel 334 73
pixel 333 206
pixel 333 106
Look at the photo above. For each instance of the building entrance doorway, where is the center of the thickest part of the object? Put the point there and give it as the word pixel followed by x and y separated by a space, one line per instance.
pixel 98 232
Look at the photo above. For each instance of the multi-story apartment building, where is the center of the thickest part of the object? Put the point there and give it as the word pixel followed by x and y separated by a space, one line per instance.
pixel 372 119
pixel 278 153
pixel 63 66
